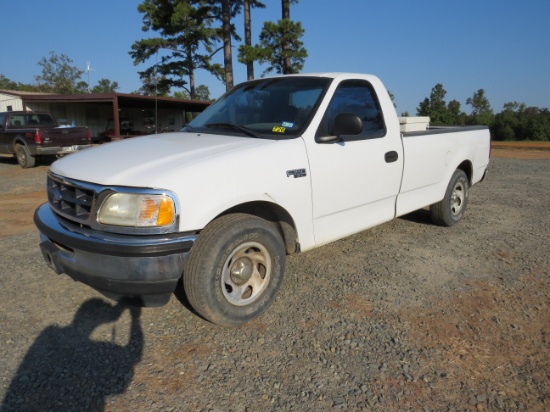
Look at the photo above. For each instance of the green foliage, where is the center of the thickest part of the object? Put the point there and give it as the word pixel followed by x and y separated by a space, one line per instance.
pixel 518 122
pixel 455 116
pixel 105 86
pixel 7 84
pixel 271 49
pixel 59 75
pixel 81 87
pixel 280 45
pixel 154 84
pixel 184 29
pixel 202 93
pixel 515 122
pixel 435 107
pixel 481 109
pixel 193 31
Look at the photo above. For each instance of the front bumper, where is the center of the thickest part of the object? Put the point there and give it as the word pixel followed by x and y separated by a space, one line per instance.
pixel 147 268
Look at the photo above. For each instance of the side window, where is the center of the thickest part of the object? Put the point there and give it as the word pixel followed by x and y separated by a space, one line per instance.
pixel 16 121
pixel 359 98
pixel 2 120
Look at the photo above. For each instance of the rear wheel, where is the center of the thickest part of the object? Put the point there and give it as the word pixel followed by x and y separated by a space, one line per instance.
pixel 451 209
pixel 24 157
pixel 235 269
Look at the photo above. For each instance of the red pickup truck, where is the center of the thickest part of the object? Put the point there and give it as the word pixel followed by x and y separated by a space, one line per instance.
pixel 27 135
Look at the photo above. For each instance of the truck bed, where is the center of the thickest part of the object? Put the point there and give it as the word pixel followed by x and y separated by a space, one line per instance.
pixel 443 129
pixel 432 155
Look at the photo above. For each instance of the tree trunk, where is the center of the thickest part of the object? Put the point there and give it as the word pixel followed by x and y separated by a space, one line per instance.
pixel 286 9
pixel 286 46
pixel 192 92
pixel 227 55
pixel 191 71
pixel 248 38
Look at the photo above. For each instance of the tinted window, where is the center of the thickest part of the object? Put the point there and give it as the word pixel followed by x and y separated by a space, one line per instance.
pixel 359 98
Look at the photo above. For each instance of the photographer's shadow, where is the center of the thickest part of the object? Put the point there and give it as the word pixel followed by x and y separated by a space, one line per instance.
pixel 65 370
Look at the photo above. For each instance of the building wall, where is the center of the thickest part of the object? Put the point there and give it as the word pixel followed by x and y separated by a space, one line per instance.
pixel 7 100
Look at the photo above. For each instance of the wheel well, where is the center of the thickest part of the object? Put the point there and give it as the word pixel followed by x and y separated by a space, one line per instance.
pixel 19 140
pixel 466 167
pixel 275 214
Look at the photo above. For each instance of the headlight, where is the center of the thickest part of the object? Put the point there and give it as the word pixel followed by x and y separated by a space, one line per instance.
pixel 137 210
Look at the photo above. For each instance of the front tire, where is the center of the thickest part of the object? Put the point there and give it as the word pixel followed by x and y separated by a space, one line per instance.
pixel 451 209
pixel 24 157
pixel 235 269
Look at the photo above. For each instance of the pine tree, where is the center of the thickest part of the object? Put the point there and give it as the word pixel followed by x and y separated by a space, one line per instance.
pixel 184 28
pixel 280 45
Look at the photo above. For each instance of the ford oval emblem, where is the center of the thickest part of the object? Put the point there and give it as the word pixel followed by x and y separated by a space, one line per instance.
pixel 57 195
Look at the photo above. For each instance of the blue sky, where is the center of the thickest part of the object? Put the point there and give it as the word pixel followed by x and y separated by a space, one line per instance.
pixel 501 46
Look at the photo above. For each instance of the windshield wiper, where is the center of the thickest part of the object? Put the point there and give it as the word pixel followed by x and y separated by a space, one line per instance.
pixel 233 126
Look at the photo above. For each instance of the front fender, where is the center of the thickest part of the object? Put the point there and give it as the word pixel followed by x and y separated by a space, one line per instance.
pixel 257 174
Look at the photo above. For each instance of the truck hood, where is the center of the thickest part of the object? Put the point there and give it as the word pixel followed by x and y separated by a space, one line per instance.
pixel 139 161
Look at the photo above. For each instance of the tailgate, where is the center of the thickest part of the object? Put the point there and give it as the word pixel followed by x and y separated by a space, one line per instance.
pixel 64 136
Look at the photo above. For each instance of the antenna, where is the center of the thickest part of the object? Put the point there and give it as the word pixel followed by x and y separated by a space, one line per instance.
pixel 156 92
pixel 88 70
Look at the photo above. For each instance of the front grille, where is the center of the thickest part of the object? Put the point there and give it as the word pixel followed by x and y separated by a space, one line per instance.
pixel 70 199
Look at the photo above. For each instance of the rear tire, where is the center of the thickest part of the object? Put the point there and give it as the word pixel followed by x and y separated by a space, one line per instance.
pixel 451 209
pixel 24 157
pixel 235 269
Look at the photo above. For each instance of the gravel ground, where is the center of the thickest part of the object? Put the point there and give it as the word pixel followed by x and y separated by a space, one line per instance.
pixel 405 316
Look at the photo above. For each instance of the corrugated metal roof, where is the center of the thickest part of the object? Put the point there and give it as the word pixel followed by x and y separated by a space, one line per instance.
pixel 22 93
pixel 126 100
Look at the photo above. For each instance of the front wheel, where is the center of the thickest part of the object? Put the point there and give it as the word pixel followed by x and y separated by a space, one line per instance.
pixel 451 209
pixel 24 157
pixel 235 269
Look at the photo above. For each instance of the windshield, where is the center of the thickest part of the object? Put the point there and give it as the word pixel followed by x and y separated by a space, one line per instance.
pixel 275 108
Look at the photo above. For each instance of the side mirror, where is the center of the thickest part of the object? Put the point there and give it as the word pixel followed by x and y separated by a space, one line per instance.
pixel 347 124
pixel 344 124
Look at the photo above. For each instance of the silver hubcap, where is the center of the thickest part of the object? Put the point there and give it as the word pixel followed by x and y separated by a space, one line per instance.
pixel 457 198
pixel 246 273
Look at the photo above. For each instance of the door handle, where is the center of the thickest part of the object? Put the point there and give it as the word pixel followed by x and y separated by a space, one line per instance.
pixel 391 157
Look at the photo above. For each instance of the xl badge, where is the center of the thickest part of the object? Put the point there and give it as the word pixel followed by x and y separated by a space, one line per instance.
pixel 296 173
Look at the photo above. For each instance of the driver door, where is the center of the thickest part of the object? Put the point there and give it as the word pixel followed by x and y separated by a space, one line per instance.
pixel 355 181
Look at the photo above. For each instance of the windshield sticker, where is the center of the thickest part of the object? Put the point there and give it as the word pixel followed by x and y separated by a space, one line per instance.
pixel 287 124
pixel 278 129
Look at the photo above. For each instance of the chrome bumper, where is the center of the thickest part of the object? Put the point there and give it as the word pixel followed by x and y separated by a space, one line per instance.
pixel 59 150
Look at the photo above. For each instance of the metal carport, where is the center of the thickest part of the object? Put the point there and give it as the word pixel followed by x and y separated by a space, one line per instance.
pixel 114 104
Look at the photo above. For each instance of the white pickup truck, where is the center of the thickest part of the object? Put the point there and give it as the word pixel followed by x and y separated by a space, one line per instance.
pixel 275 166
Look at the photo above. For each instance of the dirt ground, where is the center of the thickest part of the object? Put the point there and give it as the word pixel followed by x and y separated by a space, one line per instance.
pixel 19 204
pixel 18 207
pixel 521 150
pixel 472 337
